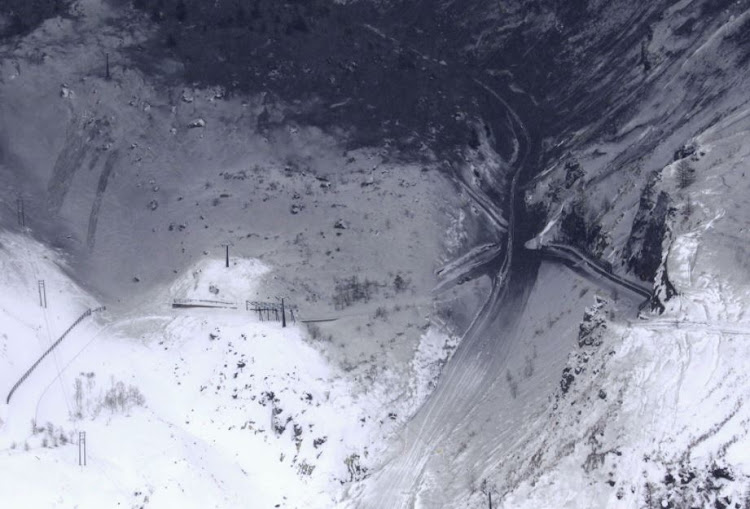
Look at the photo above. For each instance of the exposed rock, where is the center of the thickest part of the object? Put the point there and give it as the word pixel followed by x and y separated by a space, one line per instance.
pixel 593 325
pixel 567 380
pixel 579 229
pixel 722 473
pixel 573 172
pixel 319 441
pixel 684 151
pixel 643 251
pixel 198 122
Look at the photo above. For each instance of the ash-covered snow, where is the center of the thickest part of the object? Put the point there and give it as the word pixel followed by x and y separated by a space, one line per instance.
pixel 573 394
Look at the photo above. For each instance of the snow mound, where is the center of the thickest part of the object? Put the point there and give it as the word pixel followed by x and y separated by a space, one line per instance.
pixel 211 280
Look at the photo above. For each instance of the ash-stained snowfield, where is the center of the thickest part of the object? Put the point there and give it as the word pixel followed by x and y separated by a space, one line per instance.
pixel 393 255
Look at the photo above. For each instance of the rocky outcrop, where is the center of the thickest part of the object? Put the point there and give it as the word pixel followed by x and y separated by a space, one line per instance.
pixel 578 228
pixel 643 250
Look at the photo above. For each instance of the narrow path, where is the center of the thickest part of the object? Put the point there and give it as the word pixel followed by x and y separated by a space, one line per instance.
pixel 569 253
pixel 464 268
pixel 693 326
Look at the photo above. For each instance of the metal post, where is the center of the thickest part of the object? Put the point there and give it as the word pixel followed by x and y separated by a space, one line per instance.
pixel 489 494
pixel 227 257
pixel 283 314
pixel 42 294
pixel 21 213
pixel 81 448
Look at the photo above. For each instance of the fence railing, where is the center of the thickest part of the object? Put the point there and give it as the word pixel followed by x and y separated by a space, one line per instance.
pixel 203 303
pixel 267 311
pixel 272 311
pixel 54 345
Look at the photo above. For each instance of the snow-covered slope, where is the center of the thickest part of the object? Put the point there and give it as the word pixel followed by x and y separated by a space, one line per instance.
pixel 182 407
pixel 649 413
pixel 651 410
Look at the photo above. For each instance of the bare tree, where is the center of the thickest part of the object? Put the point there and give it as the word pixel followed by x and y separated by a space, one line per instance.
pixel 687 211
pixel 685 174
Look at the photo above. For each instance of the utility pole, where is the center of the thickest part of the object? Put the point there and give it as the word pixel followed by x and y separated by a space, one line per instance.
pixel 489 494
pixel 42 293
pixel 21 213
pixel 227 256
pixel 81 448
pixel 283 314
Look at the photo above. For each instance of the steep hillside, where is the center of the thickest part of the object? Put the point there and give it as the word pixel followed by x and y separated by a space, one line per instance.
pixel 513 236
pixel 181 406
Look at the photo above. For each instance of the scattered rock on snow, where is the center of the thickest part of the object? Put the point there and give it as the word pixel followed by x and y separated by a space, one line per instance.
pixel 198 122
pixel 319 441
pixel 567 380
pixel 594 324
